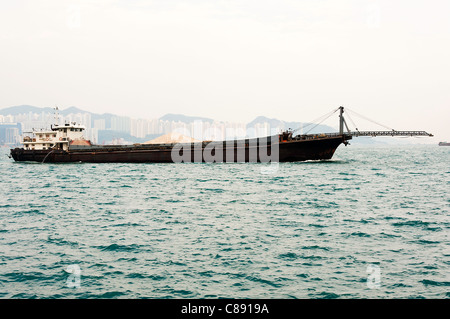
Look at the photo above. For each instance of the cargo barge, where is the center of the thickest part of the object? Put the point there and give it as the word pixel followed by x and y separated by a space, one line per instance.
pixel 65 143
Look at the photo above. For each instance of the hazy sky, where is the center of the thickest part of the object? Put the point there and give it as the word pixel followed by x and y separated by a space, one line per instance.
pixel 232 59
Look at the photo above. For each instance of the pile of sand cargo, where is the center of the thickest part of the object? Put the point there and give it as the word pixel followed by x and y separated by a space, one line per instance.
pixel 172 138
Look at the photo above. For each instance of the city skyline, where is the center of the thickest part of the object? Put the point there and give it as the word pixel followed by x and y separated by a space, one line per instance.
pixel 29 118
pixel 117 129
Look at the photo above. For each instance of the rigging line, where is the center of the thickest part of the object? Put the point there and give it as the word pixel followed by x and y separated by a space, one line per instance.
pixel 351 120
pixel 319 118
pixel 326 116
pixel 46 156
pixel 321 121
pixel 314 121
pixel 307 125
pixel 366 118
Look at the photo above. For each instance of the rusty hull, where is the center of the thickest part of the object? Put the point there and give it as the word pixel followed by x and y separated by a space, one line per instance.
pixel 320 148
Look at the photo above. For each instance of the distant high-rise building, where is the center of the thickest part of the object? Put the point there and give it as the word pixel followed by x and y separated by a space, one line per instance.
pixel 153 126
pixel 121 124
pixel 139 128
pixel 9 119
pixel 86 120
pixel 12 135
pixel 91 135
pixel 100 124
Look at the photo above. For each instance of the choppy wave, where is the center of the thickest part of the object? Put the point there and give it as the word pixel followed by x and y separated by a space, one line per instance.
pixel 371 223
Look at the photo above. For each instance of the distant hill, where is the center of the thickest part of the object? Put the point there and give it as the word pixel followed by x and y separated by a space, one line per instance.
pixel 273 123
pixel 21 109
pixel 24 109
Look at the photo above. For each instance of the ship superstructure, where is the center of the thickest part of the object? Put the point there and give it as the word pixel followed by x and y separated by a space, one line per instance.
pixel 58 137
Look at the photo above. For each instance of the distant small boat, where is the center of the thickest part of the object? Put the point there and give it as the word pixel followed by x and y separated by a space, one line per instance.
pixel 444 144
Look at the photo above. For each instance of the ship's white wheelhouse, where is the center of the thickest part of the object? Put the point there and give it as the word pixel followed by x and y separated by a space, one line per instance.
pixel 59 137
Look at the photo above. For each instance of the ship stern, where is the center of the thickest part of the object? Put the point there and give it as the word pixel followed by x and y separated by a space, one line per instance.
pixel 15 154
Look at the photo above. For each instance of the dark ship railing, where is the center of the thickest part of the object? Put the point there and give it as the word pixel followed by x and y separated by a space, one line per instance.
pixel 364 133
pixel 389 133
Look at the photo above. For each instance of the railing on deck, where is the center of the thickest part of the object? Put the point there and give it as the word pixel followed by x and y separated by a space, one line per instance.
pixel 362 133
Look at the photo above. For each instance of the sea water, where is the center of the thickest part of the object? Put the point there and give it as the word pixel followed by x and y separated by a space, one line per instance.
pixel 373 222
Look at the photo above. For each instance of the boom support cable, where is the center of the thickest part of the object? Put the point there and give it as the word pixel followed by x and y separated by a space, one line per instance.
pixel 321 119
pixel 351 120
pixel 366 118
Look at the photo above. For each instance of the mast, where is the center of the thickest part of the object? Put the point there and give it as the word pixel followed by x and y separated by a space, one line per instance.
pixel 56 116
pixel 342 121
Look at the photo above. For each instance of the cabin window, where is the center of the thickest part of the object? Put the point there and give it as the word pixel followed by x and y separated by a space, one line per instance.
pixel 54 135
pixel 47 135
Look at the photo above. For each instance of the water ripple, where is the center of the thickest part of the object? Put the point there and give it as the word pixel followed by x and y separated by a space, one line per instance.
pixel 318 229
